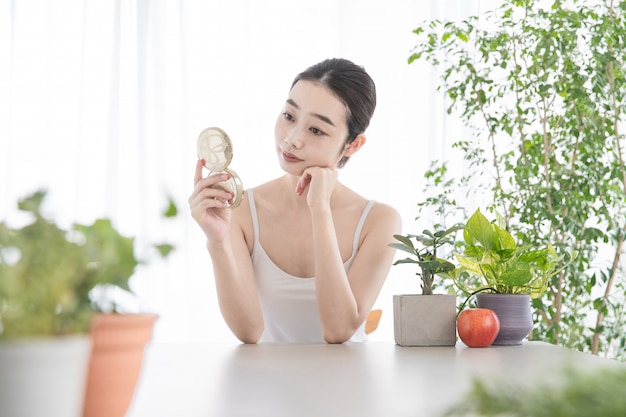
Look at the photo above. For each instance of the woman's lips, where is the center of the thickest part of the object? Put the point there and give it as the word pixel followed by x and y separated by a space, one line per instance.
pixel 289 157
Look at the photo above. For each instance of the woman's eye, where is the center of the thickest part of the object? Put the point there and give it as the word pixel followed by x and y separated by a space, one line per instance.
pixel 287 116
pixel 316 131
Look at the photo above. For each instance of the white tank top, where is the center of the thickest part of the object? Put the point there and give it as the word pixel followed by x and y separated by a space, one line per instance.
pixel 288 302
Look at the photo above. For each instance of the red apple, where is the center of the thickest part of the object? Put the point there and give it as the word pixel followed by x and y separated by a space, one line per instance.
pixel 478 327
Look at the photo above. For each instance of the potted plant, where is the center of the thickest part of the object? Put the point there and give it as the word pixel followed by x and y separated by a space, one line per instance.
pixel 44 345
pixel 545 145
pixel 503 276
pixel 427 319
pixel 47 274
pixel 118 339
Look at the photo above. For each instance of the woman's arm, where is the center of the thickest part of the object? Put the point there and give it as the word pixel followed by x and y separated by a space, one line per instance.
pixel 236 290
pixel 232 266
pixel 345 299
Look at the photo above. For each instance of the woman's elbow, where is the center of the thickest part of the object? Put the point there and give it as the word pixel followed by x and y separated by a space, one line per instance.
pixel 335 340
pixel 338 337
pixel 248 335
pixel 249 339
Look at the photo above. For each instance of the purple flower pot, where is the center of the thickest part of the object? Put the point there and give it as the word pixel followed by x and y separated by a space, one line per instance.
pixel 514 313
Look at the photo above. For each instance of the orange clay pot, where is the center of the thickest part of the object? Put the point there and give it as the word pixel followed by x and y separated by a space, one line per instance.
pixel 118 342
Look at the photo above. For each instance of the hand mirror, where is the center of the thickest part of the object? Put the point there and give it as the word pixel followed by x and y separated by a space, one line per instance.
pixel 216 150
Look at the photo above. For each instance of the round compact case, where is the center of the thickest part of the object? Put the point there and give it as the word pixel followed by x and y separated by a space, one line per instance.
pixel 216 150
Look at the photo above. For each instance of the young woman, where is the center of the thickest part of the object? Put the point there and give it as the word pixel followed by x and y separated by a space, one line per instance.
pixel 304 257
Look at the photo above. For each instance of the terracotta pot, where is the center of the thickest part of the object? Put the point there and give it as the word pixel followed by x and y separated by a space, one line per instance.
pixel 515 315
pixel 118 342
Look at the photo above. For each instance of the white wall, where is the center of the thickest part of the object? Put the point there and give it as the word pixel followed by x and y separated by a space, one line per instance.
pixel 101 103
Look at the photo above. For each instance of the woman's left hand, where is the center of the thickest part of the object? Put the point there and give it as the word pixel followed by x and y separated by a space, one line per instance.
pixel 320 183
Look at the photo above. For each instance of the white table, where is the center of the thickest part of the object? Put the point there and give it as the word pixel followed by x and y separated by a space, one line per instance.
pixel 365 379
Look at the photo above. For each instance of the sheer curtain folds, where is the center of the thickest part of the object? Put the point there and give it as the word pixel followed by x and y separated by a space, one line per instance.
pixel 101 103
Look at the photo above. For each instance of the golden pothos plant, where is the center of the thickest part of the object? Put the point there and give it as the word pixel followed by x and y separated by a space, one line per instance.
pixel 492 261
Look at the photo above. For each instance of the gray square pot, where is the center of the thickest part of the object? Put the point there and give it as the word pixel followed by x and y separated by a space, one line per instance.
pixel 424 320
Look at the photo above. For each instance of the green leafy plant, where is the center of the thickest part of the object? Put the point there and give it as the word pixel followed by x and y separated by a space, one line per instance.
pixel 47 273
pixel 540 86
pixel 491 254
pixel 424 252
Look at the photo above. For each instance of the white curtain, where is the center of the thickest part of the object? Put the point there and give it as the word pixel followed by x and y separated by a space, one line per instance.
pixel 101 103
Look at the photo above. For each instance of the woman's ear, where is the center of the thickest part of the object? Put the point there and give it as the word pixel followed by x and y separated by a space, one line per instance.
pixel 355 145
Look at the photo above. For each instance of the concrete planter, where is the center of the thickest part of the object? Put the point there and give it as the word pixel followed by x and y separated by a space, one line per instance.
pixel 424 320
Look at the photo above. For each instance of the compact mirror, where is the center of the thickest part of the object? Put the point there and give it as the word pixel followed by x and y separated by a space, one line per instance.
pixel 216 150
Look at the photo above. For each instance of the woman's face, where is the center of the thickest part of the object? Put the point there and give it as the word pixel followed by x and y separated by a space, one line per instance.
pixel 311 129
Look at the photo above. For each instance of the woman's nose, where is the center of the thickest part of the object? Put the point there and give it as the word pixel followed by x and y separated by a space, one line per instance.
pixel 294 138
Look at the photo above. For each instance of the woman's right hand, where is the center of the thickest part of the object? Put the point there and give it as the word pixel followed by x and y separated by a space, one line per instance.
pixel 209 204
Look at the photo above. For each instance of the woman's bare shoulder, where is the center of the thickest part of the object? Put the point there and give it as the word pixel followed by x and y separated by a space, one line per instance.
pixel 259 193
pixel 266 192
pixel 381 215
pixel 385 209
pixel 384 217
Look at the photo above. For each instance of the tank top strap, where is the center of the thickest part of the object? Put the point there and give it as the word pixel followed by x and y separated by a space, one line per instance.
pixel 359 227
pixel 253 215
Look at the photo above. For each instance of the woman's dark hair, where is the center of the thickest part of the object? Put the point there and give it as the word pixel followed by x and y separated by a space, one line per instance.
pixel 352 85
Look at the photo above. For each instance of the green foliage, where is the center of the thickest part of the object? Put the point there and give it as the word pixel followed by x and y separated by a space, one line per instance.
pixel 47 273
pixel 492 255
pixel 542 87
pixel 581 394
pixel 425 254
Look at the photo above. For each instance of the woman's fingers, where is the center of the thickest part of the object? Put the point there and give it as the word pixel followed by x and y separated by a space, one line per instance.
pixel 210 179
pixel 324 178
pixel 198 176
pixel 209 187
pixel 214 194
pixel 205 204
pixel 303 182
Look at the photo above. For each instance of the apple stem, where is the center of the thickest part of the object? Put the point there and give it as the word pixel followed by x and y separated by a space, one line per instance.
pixel 470 296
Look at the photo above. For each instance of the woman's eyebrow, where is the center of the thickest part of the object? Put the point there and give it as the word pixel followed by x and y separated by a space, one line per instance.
pixel 317 115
